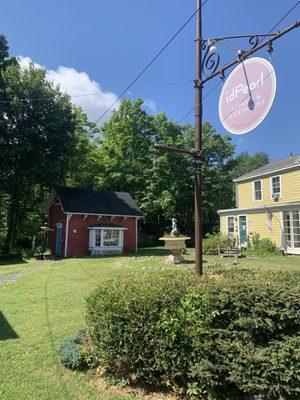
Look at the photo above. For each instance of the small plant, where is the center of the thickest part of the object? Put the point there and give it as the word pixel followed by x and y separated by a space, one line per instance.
pixel 211 243
pixel 262 247
pixel 72 352
pixel 180 252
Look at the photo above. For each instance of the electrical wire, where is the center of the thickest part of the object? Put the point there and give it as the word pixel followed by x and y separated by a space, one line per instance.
pixel 154 86
pixel 285 15
pixel 205 97
pixel 149 64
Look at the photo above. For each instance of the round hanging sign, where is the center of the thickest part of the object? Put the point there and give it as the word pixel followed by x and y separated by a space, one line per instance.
pixel 247 95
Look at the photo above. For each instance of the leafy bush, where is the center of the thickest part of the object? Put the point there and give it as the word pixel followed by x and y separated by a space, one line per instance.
pixel 145 240
pixel 262 247
pixel 72 352
pixel 210 244
pixel 232 335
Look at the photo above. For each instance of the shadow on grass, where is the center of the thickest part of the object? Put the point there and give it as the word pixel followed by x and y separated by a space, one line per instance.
pixel 156 252
pixel 6 330
pixel 5 260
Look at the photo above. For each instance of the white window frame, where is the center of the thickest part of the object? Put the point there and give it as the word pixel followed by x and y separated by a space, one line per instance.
pixel 104 248
pixel 272 197
pixel 231 235
pixel 120 236
pixel 254 191
pixel 290 249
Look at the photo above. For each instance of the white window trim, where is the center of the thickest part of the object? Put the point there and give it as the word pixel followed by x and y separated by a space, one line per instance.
pixel 271 186
pixel 227 232
pixel 92 238
pixel 261 189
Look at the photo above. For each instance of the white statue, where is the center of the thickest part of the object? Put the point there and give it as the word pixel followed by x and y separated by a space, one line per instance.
pixel 174 231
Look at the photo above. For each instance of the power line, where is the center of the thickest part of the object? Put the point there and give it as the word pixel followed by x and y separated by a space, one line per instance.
pixel 154 86
pixel 150 63
pixel 190 112
pixel 285 15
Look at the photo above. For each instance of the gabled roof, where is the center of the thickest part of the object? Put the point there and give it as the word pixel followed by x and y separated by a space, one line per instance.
pixel 89 201
pixel 276 166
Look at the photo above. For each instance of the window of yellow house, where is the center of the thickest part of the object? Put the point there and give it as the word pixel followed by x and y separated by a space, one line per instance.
pixel 275 187
pixel 230 226
pixel 257 190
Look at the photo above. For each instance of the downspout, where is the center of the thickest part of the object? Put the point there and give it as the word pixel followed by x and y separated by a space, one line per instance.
pixel 67 234
pixel 136 235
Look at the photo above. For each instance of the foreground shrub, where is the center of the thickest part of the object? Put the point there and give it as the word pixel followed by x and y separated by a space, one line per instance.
pixel 72 354
pixel 230 335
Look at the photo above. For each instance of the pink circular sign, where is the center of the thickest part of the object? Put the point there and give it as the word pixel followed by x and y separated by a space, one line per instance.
pixel 247 95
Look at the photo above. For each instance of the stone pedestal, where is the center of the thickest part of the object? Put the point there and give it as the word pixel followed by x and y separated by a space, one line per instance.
pixel 174 244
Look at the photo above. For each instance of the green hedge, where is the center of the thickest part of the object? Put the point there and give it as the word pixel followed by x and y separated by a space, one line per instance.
pixel 232 335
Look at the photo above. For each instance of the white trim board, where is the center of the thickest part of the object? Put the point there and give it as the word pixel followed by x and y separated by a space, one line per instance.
pixel 274 207
pixel 265 174
pixel 106 215
pixel 109 228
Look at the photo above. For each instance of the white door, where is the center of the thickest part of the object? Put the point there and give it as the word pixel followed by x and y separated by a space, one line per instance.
pixel 291 224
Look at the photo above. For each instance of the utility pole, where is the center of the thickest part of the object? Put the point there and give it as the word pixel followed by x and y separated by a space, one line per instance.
pixel 198 143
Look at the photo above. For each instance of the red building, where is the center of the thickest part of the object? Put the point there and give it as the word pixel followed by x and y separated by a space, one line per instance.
pixel 91 222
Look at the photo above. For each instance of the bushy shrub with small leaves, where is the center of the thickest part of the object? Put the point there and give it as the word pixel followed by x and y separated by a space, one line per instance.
pixel 228 335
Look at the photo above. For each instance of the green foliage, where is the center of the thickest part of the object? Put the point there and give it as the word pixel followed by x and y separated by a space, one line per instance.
pixel 41 137
pixel 181 252
pixel 163 183
pixel 146 240
pixel 71 351
pixel 231 335
pixel 210 244
pixel 262 247
pixel 245 163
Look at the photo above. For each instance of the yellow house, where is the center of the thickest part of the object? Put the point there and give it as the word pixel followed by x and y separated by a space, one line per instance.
pixel 267 203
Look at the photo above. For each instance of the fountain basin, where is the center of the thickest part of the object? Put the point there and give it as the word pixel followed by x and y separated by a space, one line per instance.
pixel 175 243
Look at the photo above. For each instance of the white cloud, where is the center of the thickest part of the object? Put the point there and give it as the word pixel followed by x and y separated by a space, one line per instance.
pixel 150 105
pixel 79 85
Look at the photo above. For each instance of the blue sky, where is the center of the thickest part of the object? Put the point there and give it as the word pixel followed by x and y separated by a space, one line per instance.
pixel 111 41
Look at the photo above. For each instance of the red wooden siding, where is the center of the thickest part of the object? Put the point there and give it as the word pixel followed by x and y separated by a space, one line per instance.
pixel 78 243
pixel 78 235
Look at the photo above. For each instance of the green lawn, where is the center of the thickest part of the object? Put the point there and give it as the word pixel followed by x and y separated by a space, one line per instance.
pixel 47 305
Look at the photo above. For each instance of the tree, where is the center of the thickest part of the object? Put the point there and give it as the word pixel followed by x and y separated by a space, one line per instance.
pixel 245 163
pixel 162 183
pixel 39 133
pixel 84 167
pixel 125 149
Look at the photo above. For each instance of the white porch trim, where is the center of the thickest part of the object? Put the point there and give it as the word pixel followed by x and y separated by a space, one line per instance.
pixel 67 234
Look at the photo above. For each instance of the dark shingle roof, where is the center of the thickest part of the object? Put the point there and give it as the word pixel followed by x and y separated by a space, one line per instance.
pixel 87 201
pixel 284 163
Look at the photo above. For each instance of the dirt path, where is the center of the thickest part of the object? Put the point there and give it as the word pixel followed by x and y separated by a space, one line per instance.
pixel 15 276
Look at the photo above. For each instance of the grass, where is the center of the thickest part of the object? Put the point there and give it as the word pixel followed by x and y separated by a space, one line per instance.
pixel 11 266
pixel 47 305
